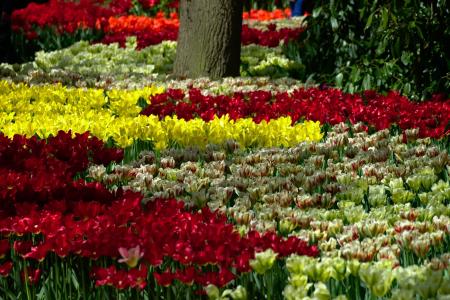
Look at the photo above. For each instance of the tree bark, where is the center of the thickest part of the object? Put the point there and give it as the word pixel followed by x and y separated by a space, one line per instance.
pixel 209 39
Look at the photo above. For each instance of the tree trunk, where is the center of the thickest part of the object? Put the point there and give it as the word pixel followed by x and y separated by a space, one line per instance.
pixel 209 39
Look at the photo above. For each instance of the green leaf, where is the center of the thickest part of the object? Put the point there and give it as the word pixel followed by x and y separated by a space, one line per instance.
pixel 334 23
pixel 366 84
pixel 406 58
pixel 354 76
pixel 317 12
pixel 384 19
pixel 369 21
pixel 142 103
pixel 407 88
pixel 382 46
pixel 339 78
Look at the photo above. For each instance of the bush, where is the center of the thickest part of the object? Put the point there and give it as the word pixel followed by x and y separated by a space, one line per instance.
pixel 380 44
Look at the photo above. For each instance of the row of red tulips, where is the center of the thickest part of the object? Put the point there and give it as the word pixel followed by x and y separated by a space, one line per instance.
pixel 325 105
pixel 44 211
pixel 67 16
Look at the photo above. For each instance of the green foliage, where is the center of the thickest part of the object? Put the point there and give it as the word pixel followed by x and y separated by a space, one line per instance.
pixel 265 4
pixel 48 39
pixel 379 44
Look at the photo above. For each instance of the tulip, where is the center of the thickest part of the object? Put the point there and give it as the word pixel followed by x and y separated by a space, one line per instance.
pixel 377 196
pixel 5 268
pixel 400 195
pixel 321 291
pixel 298 281
pixel 420 247
pixel 130 256
pixel 429 283
pixel 339 271
pixel 263 261
pixel 296 264
pixel 445 287
pixel 213 292
pixel 378 277
pixel 353 267
pixel 286 226
pixel 240 293
pixel 296 293
pixel 402 294
pixel 319 271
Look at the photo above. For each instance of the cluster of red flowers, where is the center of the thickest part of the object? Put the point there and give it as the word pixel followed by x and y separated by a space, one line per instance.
pixel 163 229
pixel 149 31
pixel 67 16
pixel 149 4
pixel 121 279
pixel 39 171
pixel 269 38
pixel 324 105
pixel 69 217
pixel 264 15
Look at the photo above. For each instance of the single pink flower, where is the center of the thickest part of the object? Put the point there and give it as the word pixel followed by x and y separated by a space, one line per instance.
pixel 130 256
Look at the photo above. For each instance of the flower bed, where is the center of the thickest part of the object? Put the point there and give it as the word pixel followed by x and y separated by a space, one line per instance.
pixel 369 203
pixel 89 20
pixel 46 110
pixel 51 214
pixel 119 182
pixel 101 65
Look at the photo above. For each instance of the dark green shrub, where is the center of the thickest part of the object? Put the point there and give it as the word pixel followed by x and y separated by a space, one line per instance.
pixel 378 44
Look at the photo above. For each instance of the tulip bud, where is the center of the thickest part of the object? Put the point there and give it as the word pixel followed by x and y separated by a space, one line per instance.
pixel 319 271
pixel 294 293
pixel 263 261
pixel 321 291
pixel 286 226
pixel 401 196
pixel 97 172
pixel 339 271
pixel 414 182
pixel 445 288
pixel 353 266
pixel 298 280
pixel 427 181
pixel 428 284
pixel 296 264
pixel 328 246
pixel 377 196
pixel 442 187
pixel 401 294
pixel 167 162
pixel 420 247
pixel 437 238
pixel 240 293
pixel 213 292
pixel 377 277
